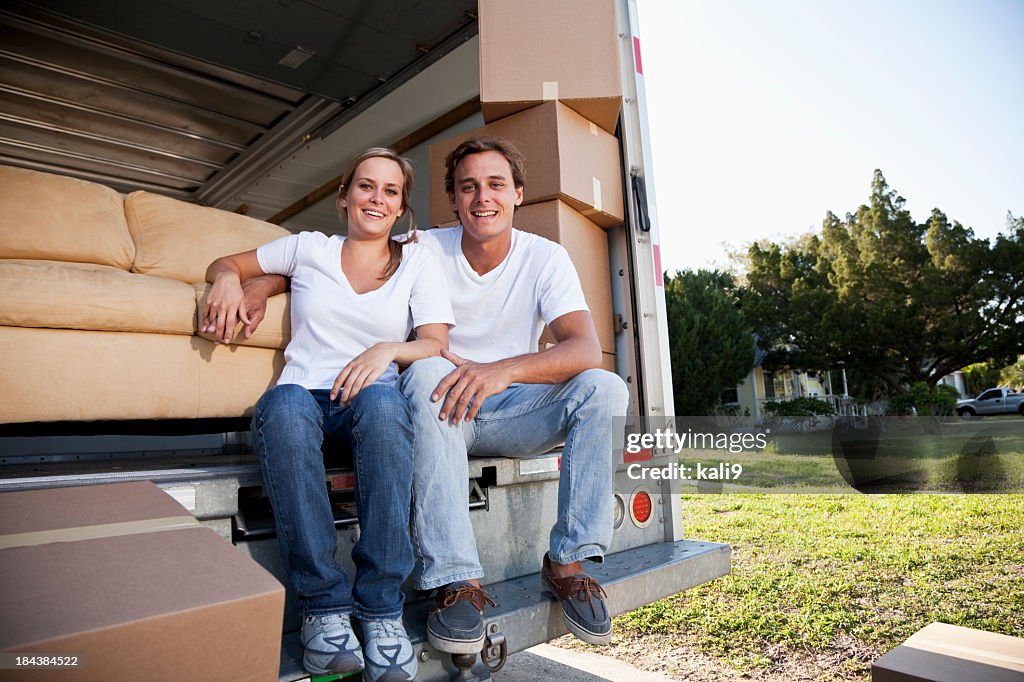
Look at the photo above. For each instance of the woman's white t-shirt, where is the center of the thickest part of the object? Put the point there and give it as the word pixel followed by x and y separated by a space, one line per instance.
pixel 502 313
pixel 331 323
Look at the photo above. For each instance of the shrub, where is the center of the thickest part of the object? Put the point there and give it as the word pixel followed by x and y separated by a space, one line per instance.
pixel 926 402
pixel 729 411
pixel 799 407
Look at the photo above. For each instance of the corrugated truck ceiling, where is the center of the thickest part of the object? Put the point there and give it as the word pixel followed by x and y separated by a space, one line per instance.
pixel 193 98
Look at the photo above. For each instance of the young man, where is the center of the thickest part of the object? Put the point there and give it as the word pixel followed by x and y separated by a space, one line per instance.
pixel 494 394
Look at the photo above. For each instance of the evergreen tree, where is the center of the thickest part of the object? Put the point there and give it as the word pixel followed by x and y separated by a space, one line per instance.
pixel 895 300
pixel 710 342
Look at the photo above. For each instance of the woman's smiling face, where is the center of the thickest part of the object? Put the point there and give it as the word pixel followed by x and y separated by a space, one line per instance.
pixel 373 200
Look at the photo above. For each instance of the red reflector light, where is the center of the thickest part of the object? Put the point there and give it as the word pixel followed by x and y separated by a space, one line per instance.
pixel 642 456
pixel 343 482
pixel 641 507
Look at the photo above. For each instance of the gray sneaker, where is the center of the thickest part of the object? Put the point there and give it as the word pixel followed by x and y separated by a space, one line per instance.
pixel 456 622
pixel 389 653
pixel 583 607
pixel 331 645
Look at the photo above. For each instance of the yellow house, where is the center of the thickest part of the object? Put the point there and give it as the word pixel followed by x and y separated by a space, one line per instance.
pixel 761 386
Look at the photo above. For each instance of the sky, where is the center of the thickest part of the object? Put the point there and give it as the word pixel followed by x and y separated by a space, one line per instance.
pixel 765 115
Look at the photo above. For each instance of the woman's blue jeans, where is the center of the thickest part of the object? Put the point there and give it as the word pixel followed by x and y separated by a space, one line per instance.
pixel 289 425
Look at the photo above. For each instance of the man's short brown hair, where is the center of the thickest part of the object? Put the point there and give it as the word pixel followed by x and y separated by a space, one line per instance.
pixel 477 145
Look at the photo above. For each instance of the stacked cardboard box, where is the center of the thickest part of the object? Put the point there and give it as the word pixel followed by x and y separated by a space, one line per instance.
pixel 587 245
pixel 532 51
pixel 125 581
pixel 949 653
pixel 567 158
pixel 559 102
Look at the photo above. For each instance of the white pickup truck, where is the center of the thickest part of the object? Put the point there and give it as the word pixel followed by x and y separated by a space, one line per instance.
pixel 992 401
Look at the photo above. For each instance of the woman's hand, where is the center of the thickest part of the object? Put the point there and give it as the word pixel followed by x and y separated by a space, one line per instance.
pixel 225 305
pixel 363 370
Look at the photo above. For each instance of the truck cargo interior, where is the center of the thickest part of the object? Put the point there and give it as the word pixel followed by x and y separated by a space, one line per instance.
pixel 253 108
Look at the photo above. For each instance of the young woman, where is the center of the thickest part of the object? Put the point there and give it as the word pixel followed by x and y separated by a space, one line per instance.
pixel 354 301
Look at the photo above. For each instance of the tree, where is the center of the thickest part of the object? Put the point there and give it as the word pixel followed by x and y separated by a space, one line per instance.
pixel 711 345
pixel 1013 375
pixel 980 376
pixel 895 300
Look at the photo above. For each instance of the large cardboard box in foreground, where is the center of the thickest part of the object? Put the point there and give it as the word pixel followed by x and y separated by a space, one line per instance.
pixel 537 50
pixel 124 578
pixel 949 653
pixel 567 157
pixel 587 245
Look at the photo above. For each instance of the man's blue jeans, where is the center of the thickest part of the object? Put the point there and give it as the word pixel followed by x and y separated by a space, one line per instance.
pixel 288 426
pixel 523 420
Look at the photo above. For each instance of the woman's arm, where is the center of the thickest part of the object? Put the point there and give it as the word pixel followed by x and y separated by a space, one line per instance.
pixel 368 366
pixel 225 304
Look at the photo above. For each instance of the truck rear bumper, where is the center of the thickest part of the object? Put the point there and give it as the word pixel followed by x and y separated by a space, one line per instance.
pixel 526 616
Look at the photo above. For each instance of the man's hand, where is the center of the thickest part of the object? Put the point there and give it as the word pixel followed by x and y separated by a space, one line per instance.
pixel 468 386
pixel 363 370
pixel 255 303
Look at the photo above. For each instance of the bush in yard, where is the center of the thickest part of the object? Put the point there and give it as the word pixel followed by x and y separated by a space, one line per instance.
pixel 799 407
pixel 924 401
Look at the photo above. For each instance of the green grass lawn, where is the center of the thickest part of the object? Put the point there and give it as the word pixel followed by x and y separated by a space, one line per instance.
pixel 844 578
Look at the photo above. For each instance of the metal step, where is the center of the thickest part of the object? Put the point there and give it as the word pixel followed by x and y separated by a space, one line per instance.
pixel 528 616
pixel 13 479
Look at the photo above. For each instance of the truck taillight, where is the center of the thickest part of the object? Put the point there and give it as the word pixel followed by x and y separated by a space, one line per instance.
pixel 640 508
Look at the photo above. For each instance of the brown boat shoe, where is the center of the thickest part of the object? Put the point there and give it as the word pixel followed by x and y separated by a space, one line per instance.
pixel 455 624
pixel 583 604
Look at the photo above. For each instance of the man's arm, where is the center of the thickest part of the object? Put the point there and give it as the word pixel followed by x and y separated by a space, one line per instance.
pixel 257 290
pixel 577 350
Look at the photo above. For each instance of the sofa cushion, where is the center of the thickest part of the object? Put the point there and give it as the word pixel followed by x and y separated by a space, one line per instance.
pixel 46 293
pixel 273 332
pixel 178 240
pixel 74 375
pixel 232 378
pixel 52 217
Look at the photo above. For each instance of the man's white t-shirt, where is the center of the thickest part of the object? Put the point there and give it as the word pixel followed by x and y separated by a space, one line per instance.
pixel 331 323
pixel 501 314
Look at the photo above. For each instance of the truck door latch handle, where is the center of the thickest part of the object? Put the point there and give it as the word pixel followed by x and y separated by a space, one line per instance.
pixel 640 199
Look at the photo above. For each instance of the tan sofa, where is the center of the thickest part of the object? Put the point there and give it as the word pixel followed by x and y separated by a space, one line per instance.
pixel 98 318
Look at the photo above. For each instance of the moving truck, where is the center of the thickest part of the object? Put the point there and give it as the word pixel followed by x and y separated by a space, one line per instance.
pixel 252 107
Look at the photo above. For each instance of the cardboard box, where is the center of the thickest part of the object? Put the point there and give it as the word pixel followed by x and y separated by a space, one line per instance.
pixel 567 157
pixel 532 51
pixel 949 653
pixel 587 245
pixel 127 580
pixel 608 362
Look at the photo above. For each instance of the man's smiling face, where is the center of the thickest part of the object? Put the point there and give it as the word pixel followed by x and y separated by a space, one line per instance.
pixel 485 195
